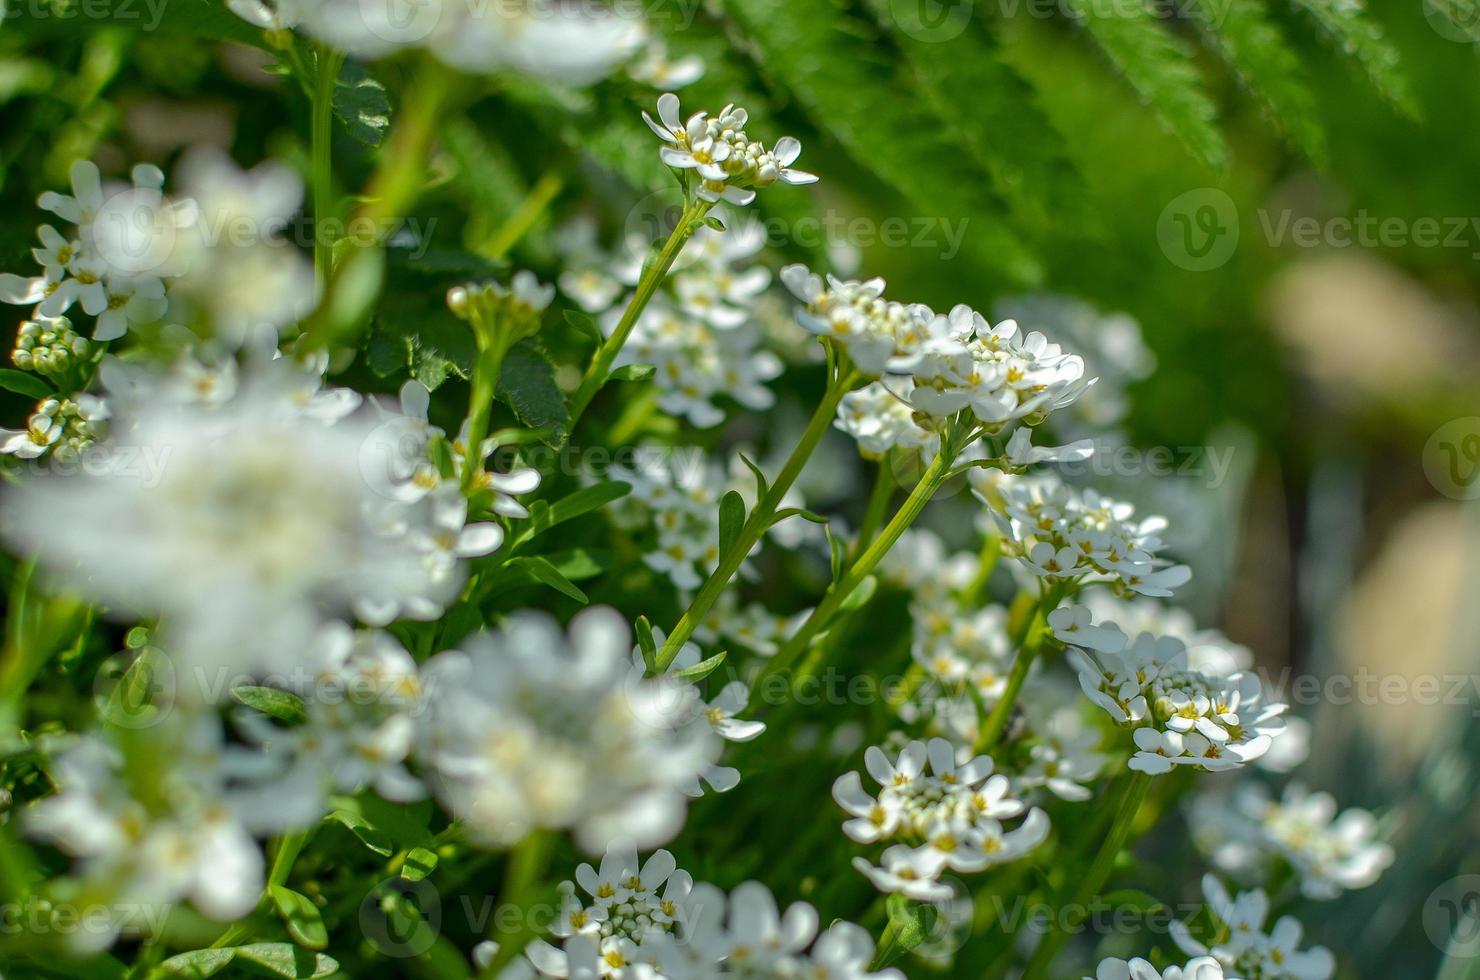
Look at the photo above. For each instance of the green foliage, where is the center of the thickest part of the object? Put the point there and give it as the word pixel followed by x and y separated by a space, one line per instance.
pixel 527 385
pixel 1346 22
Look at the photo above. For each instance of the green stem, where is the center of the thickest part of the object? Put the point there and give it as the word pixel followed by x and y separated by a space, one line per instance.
pixel 524 217
pixel 652 276
pixel 525 867
pixel 354 282
pixel 289 847
pixel 759 519
pixel 480 403
pixel 1029 644
pixel 326 76
pixel 878 505
pixel 1073 912
pixel 838 594
pixel 976 592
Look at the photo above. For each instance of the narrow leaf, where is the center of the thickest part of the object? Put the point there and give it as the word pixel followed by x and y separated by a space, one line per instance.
pixel 548 574
pixel 702 669
pixel 761 486
pixel 362 829
pixel 633 372
pixel 25 384
pixel 647 645
pixel 731 520
pixel 278 705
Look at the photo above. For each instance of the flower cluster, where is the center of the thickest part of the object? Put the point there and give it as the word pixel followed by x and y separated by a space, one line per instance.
pixel 528 729
pixel 938 816
pixel 50 347
pixel 1179 716
pixel 650 919
pixel 1242 946
pixel 1330 852
pixel 880 417
pixel 63 426
pixel 1200 968
pixel 729 164
pixel 1059 532
pixel 698 335
pixel 574 45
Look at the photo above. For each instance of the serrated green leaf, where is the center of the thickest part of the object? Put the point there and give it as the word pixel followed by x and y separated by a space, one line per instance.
pixel 283 706
pixel 367 834
pixel 853 92
pixel 361 104
pixel 1158 65
pixel 1251 43
pixel 1006 132
pixel 702 669
pixel 731 520
pixel 647 645
pixel 1347 23
pixel 633 372
pixel 25 384
pixel 544 572
pixel 527 384
pixel 301 917
pixel 419 863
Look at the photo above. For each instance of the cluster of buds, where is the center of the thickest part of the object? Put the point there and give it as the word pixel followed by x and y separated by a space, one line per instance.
pixel 61 426
pixel 50 347
pixel 728 161
pixel 501 314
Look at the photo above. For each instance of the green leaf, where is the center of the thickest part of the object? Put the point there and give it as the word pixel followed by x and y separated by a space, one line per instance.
pixel 805 515
pixel 197 963
pixel 761 487
pixel 860 595
pixel 701 670
pixel 835 553
pixel 1253 46
pixel 25 384
pixel 1347 23
pixel 527 384
pixel 910 924
pixel 632 372
pixel 361 104
pixel 853 91
pixel 580 563
pixel 731 520
pixel 286 960
pixel 356 824
pixel 301 917
pixel 282 706
pixel 419 863
pixel 581 502
pixel 584 324
pixel 407 824
pixel 548 574
pixel 278 959
pixel 647 645
pixel 1005 132
pixel 1158 65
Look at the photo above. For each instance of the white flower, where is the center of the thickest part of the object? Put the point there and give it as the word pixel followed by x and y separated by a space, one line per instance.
pixel 880 418
pixel 1181 716
pixel 1242 946
pixel 1022 452
pixel 243 524
pixel 531 729
pixel 541 38
pixel 655 68
pixel 728 162
pixel 1201 968
pixel 1331 852
pixel 943 815
pixel 1064 759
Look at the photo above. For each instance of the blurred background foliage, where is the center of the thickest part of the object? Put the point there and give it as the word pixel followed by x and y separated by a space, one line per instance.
pixel 1056 135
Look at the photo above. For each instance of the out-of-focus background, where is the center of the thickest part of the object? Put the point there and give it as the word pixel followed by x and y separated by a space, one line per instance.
pixel 1281 196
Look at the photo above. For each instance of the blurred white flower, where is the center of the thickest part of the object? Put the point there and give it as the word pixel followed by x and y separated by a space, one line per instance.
pixel 1243 947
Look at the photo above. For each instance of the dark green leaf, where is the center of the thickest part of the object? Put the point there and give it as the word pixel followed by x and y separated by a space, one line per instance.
pixel 584 325
pixel 25 384
pixel 1348 24
pixel 301 917
pixel 282 706
pixel 362 829
pixel 582 501
pixel 527 384
pixel 361 104
pixel 761 486
pixel 198 963
pixel 286 960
